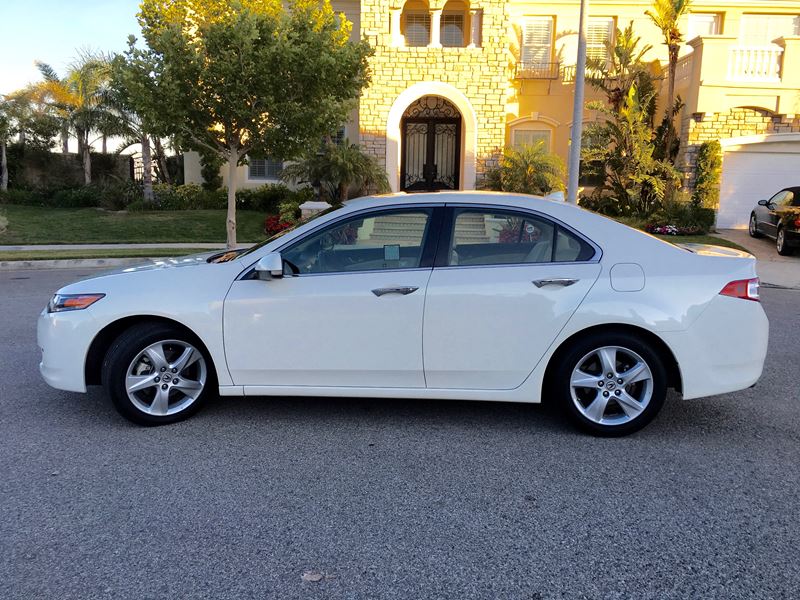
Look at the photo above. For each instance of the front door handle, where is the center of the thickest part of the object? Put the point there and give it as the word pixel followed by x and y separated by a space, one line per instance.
pixel 404 290
pixel 563 282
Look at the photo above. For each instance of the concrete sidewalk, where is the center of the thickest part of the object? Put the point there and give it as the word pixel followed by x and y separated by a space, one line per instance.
pixel 773 269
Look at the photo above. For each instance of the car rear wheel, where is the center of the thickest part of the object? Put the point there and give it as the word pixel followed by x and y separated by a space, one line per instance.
pixel 156 374
pixel 781 246
pixel 753 227
pixel 611 384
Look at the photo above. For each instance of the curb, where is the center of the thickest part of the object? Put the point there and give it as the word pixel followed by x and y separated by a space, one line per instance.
pixel 72 263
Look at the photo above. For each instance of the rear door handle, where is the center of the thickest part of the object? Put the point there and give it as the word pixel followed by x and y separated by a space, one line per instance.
pixel 404 290
pixel 563 282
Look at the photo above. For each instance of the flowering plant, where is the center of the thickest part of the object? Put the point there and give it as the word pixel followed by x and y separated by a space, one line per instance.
pixel 672 229
pixel 274 224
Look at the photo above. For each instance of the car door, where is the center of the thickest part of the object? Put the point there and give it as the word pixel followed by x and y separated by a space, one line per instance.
pixel 505 283
pixel 769 216
pixel 348 311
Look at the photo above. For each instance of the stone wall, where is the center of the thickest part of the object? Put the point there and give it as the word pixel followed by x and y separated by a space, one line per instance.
pixel 481 73
pixel 737 122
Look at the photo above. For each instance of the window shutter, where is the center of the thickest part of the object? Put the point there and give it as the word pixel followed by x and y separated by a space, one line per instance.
pixel 599 32
pixel 760 30
pixel 537 39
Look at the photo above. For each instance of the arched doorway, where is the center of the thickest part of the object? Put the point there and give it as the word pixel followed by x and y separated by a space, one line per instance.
pixel 430 134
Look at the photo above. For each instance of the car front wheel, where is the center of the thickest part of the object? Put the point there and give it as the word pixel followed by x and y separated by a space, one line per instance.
pixel 611 384
pixel 781 246
pixel 753 227
pixel 157 374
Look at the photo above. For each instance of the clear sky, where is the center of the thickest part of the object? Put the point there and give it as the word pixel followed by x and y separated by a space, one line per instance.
pixel 54 30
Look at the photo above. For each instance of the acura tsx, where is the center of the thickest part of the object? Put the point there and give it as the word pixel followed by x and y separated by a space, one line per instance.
pixel 463 295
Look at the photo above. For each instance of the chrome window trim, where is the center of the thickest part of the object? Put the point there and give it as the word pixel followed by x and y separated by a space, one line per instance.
pixel 333 222
pixel 598 252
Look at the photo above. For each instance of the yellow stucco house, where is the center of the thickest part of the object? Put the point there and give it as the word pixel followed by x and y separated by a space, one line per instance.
pixel 454 81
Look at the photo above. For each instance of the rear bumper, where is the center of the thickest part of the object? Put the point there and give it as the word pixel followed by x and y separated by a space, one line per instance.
pixel 792 237
pixel 724 349
pixel 64 339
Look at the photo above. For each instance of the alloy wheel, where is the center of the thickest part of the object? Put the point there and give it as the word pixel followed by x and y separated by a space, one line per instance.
pixel 753 229
pixel 781 240
pixel 166 377
pixel 611 385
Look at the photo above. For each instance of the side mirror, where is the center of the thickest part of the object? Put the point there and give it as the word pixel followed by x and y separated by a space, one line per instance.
pixel 270 266
pixel 763 202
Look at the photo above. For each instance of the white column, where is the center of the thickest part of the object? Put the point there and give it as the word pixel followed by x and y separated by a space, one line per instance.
pixel 397 38
pixel 436 28
pixel 475 18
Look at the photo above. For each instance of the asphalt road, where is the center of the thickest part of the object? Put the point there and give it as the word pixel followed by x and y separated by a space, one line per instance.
pixel 393 499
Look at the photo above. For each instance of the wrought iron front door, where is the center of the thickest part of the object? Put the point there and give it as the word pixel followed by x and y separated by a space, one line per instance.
pixel 430 154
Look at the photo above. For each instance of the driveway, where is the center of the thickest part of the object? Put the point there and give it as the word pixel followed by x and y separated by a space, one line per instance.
pixel 773 269
pixel 393 499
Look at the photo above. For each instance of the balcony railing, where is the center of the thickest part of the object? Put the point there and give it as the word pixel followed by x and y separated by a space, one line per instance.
pixel 537 70
pixel 755 63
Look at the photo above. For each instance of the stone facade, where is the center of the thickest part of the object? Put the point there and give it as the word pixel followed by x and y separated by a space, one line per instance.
pixel 481 73
pixel 738 122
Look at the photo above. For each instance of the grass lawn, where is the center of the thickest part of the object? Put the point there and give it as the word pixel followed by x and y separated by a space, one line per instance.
pixel 35 225
pixel 105 253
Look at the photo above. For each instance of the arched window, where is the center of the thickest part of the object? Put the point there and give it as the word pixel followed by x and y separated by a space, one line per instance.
pixel 455 24
pixel 530 132
pixel 415 23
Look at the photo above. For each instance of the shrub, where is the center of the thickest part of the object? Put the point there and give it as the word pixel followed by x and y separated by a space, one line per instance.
pixel 685 217
pixel 83 197
pixel 608 205
pixel 23 197
pixel 289 209
pixel 187 197
pixel 265 198
pixel 707 175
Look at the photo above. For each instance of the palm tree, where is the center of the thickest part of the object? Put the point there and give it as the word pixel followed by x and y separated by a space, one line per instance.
pixel 339 168
pixel 6 130
pixel 666 15
pixel 528 170
pixel 79 99
pixel 625 67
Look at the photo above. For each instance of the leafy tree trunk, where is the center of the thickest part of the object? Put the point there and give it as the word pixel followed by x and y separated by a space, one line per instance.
pixel 343 186
pixel 147 170
pixel 105 144
pixel 673 67
pixel 64 139
pixel 233 164
pixel 22 137
pixel 161 157
pixel 86 158
pixel 3 167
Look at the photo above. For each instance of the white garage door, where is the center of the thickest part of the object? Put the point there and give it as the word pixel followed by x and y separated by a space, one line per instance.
pixel 751 173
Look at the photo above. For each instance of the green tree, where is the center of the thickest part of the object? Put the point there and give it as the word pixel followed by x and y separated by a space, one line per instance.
pixel 527 170
pixel 708 173
pixel 625 67
pixel 245 76
pixel 623 147
pixel 78 99
pixel 340 169
pixel 666 15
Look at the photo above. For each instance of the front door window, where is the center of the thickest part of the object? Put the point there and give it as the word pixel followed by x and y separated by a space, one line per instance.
pixel 431 143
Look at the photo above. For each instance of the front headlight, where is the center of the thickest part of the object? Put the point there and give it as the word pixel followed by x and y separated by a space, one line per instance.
pixel 64 302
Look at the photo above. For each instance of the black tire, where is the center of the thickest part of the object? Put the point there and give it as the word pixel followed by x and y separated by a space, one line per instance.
pixel 577 351
pixel 753 227
pixel 781 246
pixel 130 345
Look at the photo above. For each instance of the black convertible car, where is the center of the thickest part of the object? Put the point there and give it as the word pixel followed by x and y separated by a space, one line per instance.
pixel 776 219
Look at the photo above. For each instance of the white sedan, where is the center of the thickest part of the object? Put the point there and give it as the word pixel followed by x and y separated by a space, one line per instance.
pixel 478 296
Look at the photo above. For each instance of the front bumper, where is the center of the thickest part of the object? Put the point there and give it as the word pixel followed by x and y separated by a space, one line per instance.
pixel 724 349
pixel 64 340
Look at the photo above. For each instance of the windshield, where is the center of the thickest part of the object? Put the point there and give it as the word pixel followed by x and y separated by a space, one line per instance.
pixel 230 255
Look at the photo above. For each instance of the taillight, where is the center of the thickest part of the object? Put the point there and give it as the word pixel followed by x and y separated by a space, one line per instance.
pixel 797 223
pixel 746 289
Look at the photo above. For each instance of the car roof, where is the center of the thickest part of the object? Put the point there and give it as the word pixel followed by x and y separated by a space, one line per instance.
pixel 456 197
